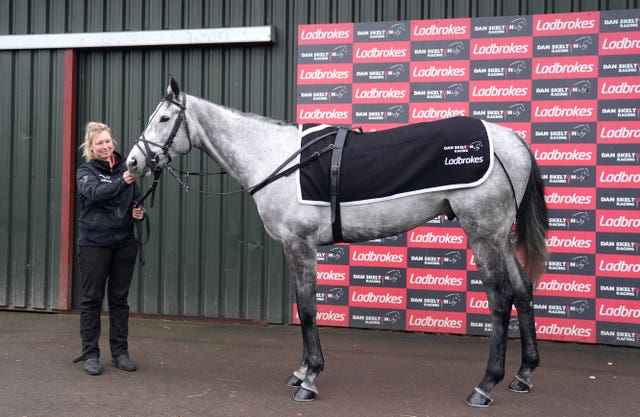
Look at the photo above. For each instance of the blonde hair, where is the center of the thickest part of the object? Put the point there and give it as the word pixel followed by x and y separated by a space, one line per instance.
pixel 91 130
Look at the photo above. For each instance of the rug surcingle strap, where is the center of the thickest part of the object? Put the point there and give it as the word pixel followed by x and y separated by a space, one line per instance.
pixel 336 158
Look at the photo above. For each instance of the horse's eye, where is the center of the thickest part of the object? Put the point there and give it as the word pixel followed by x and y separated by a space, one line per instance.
pixel 164 119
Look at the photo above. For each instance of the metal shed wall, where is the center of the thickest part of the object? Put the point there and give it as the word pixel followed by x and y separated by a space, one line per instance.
pixel 208 255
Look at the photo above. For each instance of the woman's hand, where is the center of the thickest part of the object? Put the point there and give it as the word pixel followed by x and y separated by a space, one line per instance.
pixel 128 177
pixel 138 213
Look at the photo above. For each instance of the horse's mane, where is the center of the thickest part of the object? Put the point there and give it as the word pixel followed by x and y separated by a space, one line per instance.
pixel 249 114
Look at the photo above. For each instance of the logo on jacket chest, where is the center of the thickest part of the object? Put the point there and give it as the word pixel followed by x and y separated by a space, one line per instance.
pixel 105 178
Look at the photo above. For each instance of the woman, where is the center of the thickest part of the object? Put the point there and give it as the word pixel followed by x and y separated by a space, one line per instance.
pixel 107 248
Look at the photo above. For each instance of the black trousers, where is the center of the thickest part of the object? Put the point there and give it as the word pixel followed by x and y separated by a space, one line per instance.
pixel 111 268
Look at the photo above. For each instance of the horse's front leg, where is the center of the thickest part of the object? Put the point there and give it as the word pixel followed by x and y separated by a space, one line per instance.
pixel 302 258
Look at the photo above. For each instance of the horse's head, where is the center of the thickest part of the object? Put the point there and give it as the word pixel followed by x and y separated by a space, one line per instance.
pixel 165 136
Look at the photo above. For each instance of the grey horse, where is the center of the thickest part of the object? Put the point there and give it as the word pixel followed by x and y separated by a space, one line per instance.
pixel 251 148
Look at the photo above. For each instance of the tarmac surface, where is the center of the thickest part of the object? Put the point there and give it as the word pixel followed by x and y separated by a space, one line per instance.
pixel 212 368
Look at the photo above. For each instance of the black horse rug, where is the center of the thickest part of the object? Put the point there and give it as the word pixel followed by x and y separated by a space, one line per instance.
pixel 376 166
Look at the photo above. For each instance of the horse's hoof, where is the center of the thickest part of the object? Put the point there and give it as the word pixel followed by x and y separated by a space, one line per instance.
pixel 520 385
pixel 293 382
pixel 479 399
pixel 304 395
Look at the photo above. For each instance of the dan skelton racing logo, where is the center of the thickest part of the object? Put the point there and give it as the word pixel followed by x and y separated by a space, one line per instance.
pixel 501 26
pixel 436 258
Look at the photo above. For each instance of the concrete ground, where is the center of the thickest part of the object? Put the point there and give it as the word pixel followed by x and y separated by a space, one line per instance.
pixel 206 368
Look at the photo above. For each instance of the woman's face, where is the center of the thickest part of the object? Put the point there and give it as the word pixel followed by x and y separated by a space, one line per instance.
pixel 102 146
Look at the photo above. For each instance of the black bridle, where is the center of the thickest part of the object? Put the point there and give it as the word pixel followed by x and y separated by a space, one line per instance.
pixel 152 159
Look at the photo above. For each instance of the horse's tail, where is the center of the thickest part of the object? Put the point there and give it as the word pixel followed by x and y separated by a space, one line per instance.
pixel 532 223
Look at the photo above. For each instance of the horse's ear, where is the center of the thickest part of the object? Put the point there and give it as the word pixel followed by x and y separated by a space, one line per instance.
pixel 173 87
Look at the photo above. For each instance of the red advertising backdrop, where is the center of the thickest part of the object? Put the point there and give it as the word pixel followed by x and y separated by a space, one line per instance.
pixel 570 85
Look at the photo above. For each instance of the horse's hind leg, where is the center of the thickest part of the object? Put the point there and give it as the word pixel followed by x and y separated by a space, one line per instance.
pixel 492 259
pixel 523 300
pixel 302 259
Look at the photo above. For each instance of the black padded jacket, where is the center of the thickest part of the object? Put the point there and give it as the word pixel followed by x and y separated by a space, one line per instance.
pixel 106 202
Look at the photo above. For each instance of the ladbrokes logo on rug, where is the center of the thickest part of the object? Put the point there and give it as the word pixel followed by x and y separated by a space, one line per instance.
pixel 379 256
pixel 378 297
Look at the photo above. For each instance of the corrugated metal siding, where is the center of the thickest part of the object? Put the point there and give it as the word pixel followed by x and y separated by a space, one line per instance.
pixel 208 255
pixel 31 141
